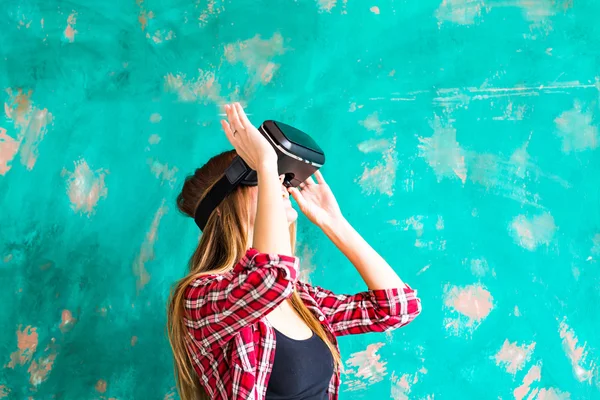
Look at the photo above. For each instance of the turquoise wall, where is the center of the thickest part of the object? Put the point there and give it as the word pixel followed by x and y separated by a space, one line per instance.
pixel 462 141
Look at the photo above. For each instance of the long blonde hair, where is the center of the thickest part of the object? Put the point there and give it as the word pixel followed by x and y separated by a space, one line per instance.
pixel 223 243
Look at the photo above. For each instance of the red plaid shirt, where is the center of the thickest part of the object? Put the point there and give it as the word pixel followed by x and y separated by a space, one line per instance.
pixel 232 345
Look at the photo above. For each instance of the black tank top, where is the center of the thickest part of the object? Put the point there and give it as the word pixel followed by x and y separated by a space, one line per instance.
pixel 302 369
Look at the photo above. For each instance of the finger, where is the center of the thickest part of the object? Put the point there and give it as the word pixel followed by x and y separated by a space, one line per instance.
pixel 242 115
pixel 235 120
pixel 297 195
pixel 319 176
pixel 227 108
pixel 228 131
pixel 229 114
pixel 309 181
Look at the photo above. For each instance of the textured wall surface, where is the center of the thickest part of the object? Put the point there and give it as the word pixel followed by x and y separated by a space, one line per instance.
pixel 462 141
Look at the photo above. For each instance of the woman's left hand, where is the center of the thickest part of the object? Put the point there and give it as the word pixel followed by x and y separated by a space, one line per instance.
pixel 316 201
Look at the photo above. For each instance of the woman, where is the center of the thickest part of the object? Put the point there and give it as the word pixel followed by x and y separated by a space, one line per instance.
pixel 241 324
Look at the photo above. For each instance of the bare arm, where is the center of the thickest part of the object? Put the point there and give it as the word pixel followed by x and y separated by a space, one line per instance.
pixel 373 269
pixel 271 232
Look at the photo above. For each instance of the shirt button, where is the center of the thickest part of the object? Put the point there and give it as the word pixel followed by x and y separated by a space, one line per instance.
pixel 321 318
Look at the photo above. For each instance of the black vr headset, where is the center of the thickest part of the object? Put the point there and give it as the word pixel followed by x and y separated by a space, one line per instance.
pixel 299 157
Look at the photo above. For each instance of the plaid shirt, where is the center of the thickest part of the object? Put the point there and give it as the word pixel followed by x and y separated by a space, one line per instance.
pixel 232 345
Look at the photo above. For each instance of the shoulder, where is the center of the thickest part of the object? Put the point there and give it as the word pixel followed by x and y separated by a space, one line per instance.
pixel 205 282
pixel 210 278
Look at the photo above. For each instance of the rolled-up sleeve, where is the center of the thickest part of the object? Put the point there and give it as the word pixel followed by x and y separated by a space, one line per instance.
pixel 376 310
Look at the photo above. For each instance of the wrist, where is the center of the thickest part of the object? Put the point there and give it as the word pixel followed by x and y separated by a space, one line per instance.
pixel 334 225
pixel 267 167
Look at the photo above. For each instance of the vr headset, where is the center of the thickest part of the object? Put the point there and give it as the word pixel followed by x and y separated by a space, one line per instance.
pixel 299 157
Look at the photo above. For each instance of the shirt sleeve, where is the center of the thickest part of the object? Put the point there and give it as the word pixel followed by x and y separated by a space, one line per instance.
pixel 219 305
pixel 369 311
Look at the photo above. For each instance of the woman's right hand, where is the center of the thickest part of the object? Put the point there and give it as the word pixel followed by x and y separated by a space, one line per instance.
pixel 248 142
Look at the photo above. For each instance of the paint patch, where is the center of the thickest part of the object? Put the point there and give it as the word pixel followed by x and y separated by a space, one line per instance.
pixel 67 321
pixel 163 172
pixel 155 118
pixel 552 394
pixel 365 368
pixel 204 88
pixel 415 223
pixel 530 233
pixel 425 268
pixel 401 387
pixel 512 112
pixel 517 312
pixel 353 107
pixel 462 12
pixel 101 386
pixel 27 342
pixel 326 5
pixel 533 375
pixel 256 54
pixel 442 152
pixel 8 149
pixel 373 123
pixel 171 394
pixel 40 369
pixel 510 177
pixel 70 31
pixel 147 249
pixel 213 8
pixel 374 10
pixel 540 10
pixel 583 367
pixel 480 267
pixel 439 225
pixel 4 391
pixel 154 139
pixel 30 124
pixel 512 357
pixel 381 177
pixel 437 245
pixel 160 36
pixel 268 72
pixel 469 306
pixel 374 145
pixel 576 130
pixel 85 187
pixel 143 18
pixel 306 265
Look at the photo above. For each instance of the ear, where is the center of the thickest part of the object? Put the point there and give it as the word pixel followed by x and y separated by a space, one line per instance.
pixel 218 212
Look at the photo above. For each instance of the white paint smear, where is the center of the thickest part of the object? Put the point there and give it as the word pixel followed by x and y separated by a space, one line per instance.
pixel 530 233
pixel 442 152
pixel 462 12
pixel 576 130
